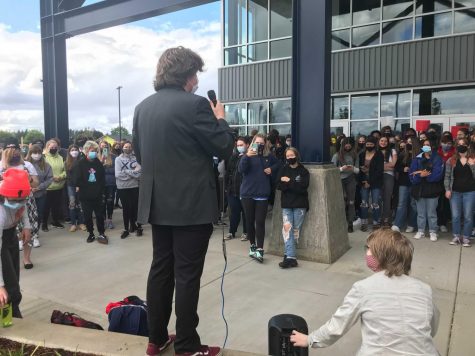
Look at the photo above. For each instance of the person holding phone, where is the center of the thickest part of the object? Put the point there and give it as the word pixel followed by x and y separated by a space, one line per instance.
pixel 347 161
pixel 257 167
pixel 108 160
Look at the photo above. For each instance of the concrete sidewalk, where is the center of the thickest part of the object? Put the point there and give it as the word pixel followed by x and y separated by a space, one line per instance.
pixel 71 275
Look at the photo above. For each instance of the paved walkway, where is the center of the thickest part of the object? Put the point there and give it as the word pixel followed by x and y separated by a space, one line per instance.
pixel 71 275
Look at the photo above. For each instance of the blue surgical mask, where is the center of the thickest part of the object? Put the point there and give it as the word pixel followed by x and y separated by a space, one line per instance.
pixel 426 149
pixel 13 205
pixel 241 149
pixel 92 155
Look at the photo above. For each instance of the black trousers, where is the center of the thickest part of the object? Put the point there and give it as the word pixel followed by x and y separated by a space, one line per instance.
pixel 96 206
pixel 109 201
pixel 130 205
pixel 55 204
pixel 11 269
pixel 178 259
pixel 236 212
pixel 256 212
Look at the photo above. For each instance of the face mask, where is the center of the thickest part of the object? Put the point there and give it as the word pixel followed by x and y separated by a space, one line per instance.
pixel 13 205
pixel 426 149
pixel 92 155
pixel 445 147
pixel 408 147
pixel 53 151
pixel 288 143
pixel 462 149
pixel 36 156
pixel 241 149
pixel 194 89
pixel 127 151
pixel 372 263
pixel 392 145
pixel 15 160
pixel 74 154
pixel 292 160
pixel 370 148
pixel 360 144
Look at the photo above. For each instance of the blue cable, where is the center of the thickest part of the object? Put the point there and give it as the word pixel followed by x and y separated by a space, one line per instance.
pixel 222 293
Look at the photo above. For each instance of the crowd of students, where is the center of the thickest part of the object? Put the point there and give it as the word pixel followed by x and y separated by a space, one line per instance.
pixel 415 181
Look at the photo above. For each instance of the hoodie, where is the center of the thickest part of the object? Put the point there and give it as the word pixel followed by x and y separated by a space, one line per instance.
pixel 127 171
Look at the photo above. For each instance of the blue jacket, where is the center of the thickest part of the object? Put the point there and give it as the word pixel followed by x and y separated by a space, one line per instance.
pixel 432 185
pixel 255 183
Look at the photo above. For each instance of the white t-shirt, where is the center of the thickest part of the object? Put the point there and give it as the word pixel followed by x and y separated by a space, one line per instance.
pixel 27 165
pixel 393 152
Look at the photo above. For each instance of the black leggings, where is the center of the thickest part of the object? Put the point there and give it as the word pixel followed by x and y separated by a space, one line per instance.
pixel 256 212
pixel 54 203
pixel 11 269
pixel 130 203
pixel 109 201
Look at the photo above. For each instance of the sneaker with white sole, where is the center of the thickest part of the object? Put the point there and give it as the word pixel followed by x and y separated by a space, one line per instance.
pixel 244 237
pixel 203 351
pixel 36 242
pixel 357 222
pixel 409 229
pixel 443 228
pixel 395 228
pixel 229 237
pixel 466 243
pixel 419 235
pixel 252 251
pixel 433 236
pixel 455 241
pixel 20 245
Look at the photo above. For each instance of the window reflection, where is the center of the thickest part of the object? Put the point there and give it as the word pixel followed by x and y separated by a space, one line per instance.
pixel 235 22
pixel 339 108
pixel 462 3
pixel 363 127
pixel 397 8
pixel 281 48
pixel 426 6
pixel 433 25
pixel 235 55
pixel 365 11
pixel 365 36
pixel 257 19
pixel 280 111
pixel 443 101
pixel 464 21
pixel 397 125
pixel 257 52
pixel 280 18
pixel 396 104
pixel 257 113
pixel 341 16
pixel 236 114
pixel 364 107
pixel 340 39
pixel 260 129
pixel 396 31
pixel 283 129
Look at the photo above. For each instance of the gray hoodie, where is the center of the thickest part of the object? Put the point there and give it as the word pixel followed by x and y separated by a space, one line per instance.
pixel 127 171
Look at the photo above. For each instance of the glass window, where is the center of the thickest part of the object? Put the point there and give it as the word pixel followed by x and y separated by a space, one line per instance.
pixel 257 113
pixel 341 16
pixel 425 6
pixel 397 8
pixel 236 114
pixel 396 31
pixel 462 3
pixel 364 107
pixel 280 111
pixel 241 130
pixel 365 11
pixel 260 129
pixel 235 55
pixel 340 39
pixel 433 25
pixel 235 16
pixel 396 104
pixel 397 125
pixel 444 102
pixel 464 21
pixel 365 36
pixel 257 52
pixel 363 127
pixel 339 108
pixel 283 129
pixel 281 48
pixel 280 18
pixel 257 19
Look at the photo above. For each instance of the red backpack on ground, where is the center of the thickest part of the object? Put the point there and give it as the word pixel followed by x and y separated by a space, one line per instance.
pixel 72 319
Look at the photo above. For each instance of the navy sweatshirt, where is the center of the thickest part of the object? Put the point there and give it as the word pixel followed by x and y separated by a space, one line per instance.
pixel 255 183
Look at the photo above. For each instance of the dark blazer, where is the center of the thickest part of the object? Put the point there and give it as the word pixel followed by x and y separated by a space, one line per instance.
pixel 175 136
pixel 376 170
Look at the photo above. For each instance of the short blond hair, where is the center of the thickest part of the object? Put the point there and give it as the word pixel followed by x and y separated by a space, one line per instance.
pixel 392 250
pixel 90 145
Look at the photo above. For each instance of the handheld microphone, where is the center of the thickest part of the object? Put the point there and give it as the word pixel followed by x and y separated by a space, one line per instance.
pixel 212 97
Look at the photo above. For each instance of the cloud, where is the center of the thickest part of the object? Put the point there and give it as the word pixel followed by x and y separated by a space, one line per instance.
pixel 97 64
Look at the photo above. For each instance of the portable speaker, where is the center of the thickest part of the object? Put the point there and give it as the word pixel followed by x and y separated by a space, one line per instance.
pixel 280 330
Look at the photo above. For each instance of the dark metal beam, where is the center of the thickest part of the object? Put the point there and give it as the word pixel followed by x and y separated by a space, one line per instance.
pixel 110 13
pixel 311 83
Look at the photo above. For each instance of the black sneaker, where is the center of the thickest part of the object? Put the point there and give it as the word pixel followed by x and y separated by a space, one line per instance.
pixel 139 232
pixel 288 263
pixel 102 239
pixel 90 238
pixel 124 234
pixel 350 227
pixel 259 255
pixel 45 228
pixel 57 225
pixel 133 228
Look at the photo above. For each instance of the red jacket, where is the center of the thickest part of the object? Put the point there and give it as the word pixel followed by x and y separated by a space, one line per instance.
pixel 446 155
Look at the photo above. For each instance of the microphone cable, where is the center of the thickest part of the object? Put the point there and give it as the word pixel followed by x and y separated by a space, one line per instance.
pixel 225 265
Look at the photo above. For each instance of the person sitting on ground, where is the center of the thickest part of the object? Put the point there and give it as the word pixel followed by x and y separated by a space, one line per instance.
pixel 397 313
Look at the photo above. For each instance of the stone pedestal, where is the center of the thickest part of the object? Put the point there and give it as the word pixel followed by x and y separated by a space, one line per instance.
pixel 324 234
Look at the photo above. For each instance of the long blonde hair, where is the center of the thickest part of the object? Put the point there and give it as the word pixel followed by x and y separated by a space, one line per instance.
pixel 266 143
pixel 108 160
pixel 7 155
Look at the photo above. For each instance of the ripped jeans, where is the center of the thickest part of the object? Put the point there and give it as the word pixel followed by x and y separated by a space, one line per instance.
pixel 375 203
pixel 292 222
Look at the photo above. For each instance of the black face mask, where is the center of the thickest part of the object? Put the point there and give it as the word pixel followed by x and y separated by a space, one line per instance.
pixel 370 148
pixel 392 145
pixel 53 151
pixel 361 144
pixel 408 147
pixel 462 149
pixel 292 160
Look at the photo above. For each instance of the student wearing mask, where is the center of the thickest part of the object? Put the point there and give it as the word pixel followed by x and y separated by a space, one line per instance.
pixel 445 151
pixel 54 195
pixel 257 167
pixel 390 159
pixel 75 213
pixel 459 185
pixel 371 179
pixel 361 143
pixel 233 180
pixel 89 178
pixel 426 174
pixel 347 161
pixel 117 150
pixel 108 160
pixel 293 181
pixel 127 175
pixel 288 140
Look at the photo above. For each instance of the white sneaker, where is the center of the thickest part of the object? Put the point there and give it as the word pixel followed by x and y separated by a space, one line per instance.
pixel 419 235
pixel 443 228
pixel 20 245
pixel 433 236
pixel 357 222
pixel 409 229
pixel 395 228
pixel 229 237
pixel 36 242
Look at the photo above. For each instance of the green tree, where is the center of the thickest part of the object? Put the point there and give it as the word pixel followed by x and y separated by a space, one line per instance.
pixel 116 131
pixel 33 135
pixel 5 135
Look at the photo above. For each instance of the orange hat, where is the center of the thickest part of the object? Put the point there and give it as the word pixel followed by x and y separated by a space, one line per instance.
pixel 15 184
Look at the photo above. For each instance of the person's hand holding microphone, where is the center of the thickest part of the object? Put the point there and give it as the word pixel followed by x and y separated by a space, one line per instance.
pixel 216 106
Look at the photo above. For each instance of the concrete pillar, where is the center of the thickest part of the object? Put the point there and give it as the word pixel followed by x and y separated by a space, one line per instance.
pixel 324 235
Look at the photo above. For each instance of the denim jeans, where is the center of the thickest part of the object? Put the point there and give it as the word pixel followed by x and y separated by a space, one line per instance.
pixel 40 205
pixel 406 212
pixel 292 222
pixel 75 213
pixel 375 194
pixel 462 203
pixel 427 213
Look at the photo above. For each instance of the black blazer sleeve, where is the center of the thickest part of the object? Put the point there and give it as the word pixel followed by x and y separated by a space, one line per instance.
pixel 135 137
